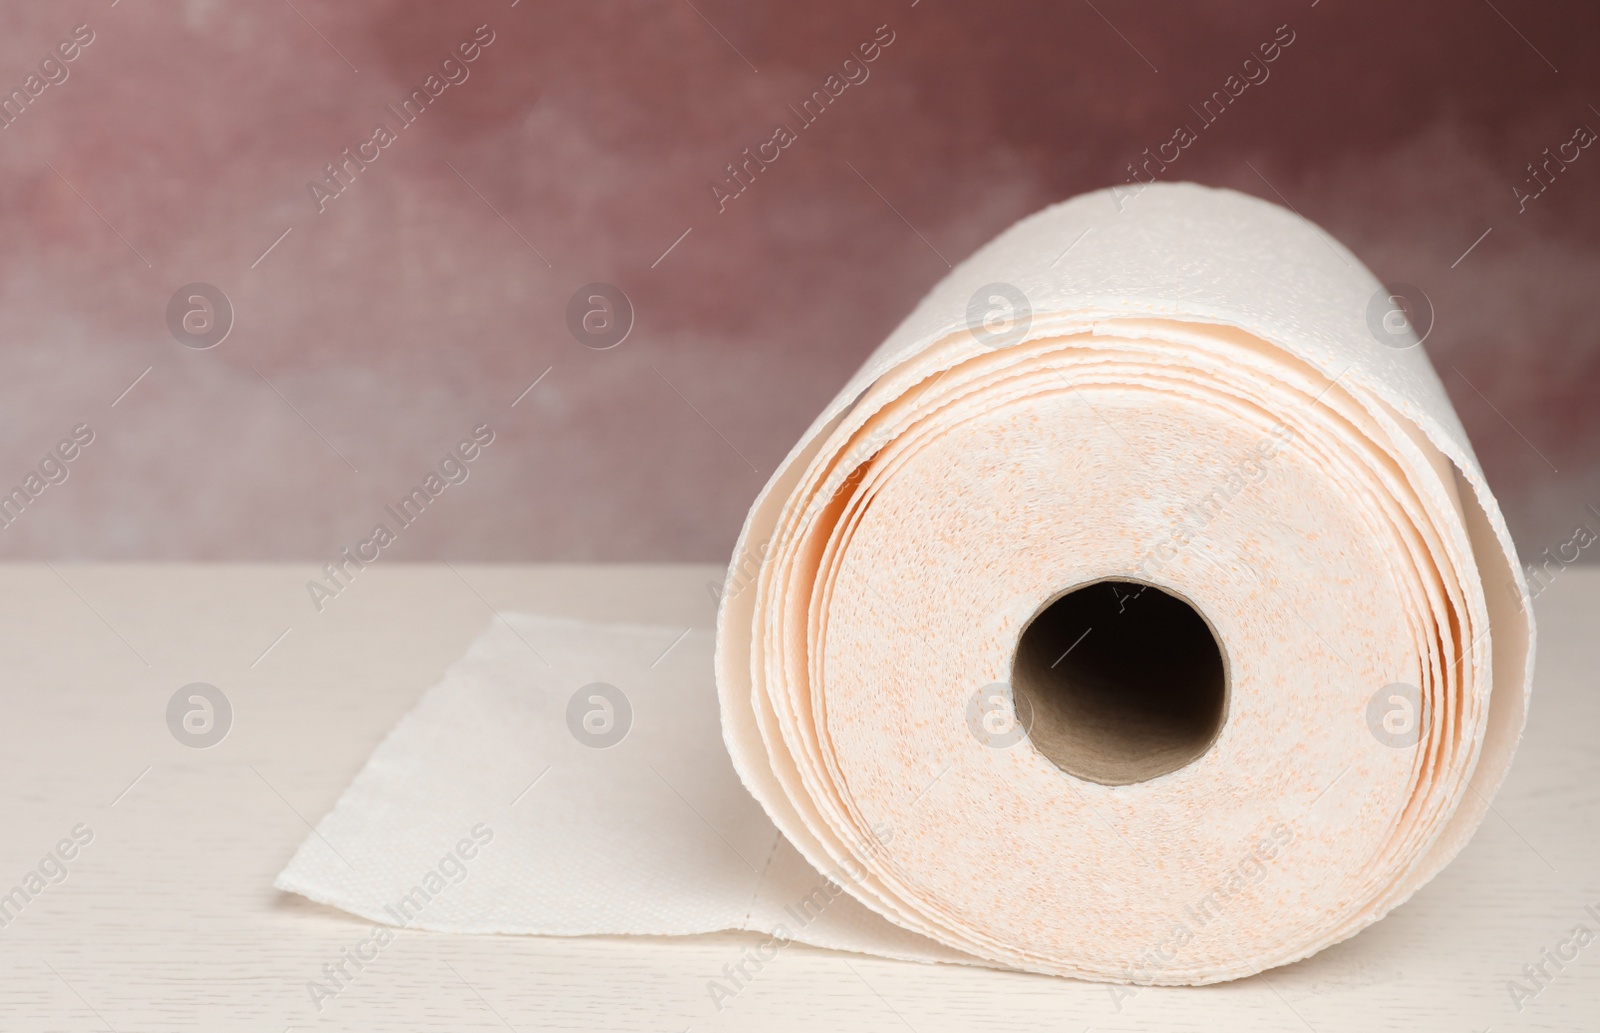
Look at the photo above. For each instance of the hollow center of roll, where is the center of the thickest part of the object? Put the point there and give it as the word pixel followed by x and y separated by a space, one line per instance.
pixel 1125 682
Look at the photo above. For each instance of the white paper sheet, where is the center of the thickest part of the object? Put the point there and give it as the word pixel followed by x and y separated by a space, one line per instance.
pixel 652 836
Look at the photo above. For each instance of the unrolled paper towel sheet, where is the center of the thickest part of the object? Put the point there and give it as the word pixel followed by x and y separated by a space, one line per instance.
pixel 1138 612
pixel 575 834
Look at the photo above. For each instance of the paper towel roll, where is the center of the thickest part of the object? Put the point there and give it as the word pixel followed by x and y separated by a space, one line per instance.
pixel 1139 611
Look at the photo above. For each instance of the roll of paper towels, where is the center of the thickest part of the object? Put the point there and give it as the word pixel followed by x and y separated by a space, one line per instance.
pixel 1151 540
pixel 1137 613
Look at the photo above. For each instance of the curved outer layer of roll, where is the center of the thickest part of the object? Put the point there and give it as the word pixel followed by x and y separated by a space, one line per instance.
pixel 1197 403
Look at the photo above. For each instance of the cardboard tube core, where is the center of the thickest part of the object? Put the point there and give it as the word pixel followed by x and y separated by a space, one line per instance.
pixel 1125 682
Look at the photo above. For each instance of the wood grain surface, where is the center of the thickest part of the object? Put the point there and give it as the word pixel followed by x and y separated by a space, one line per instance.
pixel 167 920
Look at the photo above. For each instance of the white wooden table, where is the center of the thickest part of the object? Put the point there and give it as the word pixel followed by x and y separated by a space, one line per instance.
pixel 167 919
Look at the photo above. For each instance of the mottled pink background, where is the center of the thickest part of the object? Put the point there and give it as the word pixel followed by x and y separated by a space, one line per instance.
pixel 181 146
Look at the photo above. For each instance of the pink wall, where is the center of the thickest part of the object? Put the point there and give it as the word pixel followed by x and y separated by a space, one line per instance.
pixel 383 329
